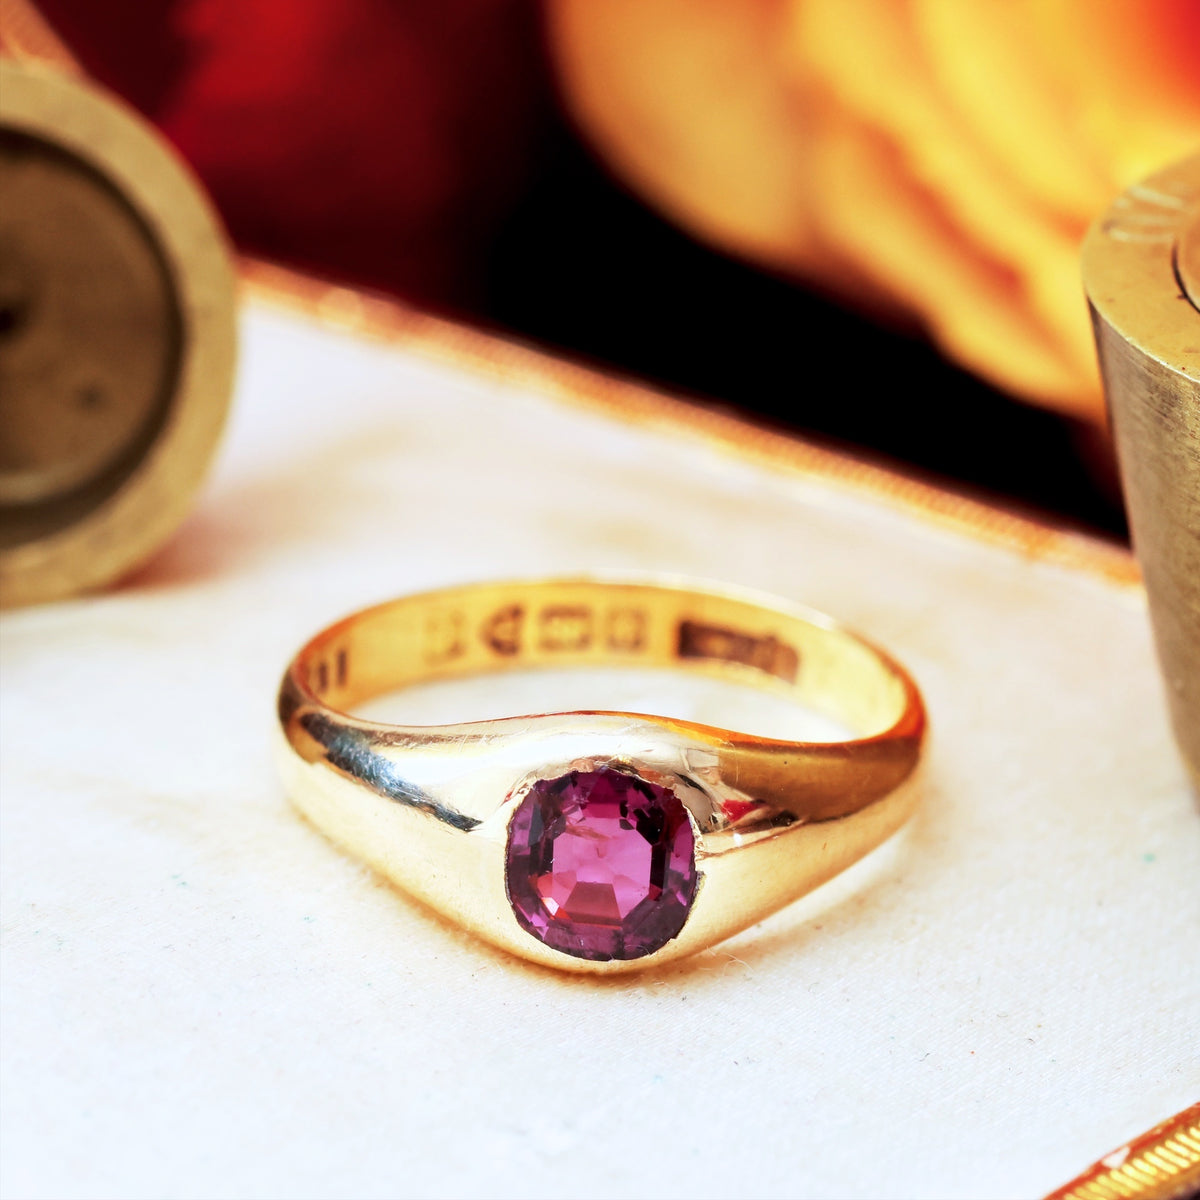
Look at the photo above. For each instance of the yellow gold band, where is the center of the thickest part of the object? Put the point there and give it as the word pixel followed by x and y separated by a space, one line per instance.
pixel 431 807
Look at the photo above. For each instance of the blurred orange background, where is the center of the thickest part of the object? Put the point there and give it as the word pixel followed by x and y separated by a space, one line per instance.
pixel 939 159
pixel 679 188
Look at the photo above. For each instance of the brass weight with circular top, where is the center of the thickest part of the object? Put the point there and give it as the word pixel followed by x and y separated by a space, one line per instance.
pixel 117 336
pixel 1141 268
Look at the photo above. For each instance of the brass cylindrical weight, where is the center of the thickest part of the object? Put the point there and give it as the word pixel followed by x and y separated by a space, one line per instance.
pixel 1141 268
pixel 117 335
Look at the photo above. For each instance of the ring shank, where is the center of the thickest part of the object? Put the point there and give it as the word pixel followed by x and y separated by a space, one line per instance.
pixel 565 623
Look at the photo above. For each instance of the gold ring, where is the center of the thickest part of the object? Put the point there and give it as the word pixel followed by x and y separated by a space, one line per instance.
pixel 599 841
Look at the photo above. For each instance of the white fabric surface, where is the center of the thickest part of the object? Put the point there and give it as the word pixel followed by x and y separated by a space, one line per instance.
pixel 204 998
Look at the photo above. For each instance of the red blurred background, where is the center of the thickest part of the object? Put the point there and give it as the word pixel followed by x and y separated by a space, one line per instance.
pixel 423 150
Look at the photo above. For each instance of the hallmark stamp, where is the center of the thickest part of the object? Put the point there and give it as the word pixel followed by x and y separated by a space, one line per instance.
pixel 502 630
pixel 443 637
pixel 766 653
pixel 565 627
pixel 625 630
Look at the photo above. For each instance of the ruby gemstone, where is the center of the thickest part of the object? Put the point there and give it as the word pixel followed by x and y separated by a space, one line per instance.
pixel 601 864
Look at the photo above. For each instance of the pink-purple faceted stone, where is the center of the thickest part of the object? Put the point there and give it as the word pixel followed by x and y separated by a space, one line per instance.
pixel 601 864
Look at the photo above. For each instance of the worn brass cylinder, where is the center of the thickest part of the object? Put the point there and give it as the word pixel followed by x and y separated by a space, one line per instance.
pixel 117 334
pixel 1141 267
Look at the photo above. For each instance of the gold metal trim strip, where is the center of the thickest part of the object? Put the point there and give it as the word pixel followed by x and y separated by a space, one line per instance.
pixel 1162 1164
